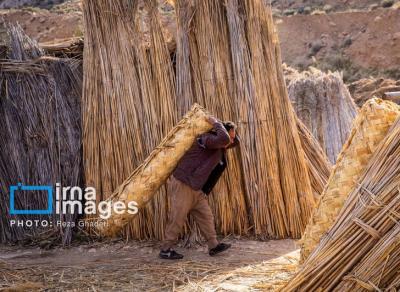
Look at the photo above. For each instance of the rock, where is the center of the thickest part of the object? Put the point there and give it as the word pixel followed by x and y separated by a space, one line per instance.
pixel 290 2
pixel 387 3
pixel 373 6
pixel 327 8
pixel 307 10
pixel 318 12
pixel 315 47
pixel 289 12
pixel 276 12
pixel 347 42
pixel 92 250
pixel 378 18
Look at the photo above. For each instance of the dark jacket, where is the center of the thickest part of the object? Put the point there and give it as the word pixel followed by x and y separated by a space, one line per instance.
pixel 204 162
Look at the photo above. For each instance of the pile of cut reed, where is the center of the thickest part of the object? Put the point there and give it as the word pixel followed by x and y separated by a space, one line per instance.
pixel 40 133
pixel 360 250
pixel 323 102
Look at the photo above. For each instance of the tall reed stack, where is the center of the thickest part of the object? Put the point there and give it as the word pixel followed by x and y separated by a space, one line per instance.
pixel 234 71
pixel 40 133
pixel 129 101
pixel 202 72
pixel 369 128
pixel 323 103
pixel 319 167
pixel 364 232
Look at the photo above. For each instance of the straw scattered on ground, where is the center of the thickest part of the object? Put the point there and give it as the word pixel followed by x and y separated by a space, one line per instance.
pixel 135 267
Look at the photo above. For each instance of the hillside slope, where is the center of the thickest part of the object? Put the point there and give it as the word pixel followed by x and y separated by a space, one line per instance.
pixel 358 41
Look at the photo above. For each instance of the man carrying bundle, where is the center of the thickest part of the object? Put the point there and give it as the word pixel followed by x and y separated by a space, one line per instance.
pixel 193 179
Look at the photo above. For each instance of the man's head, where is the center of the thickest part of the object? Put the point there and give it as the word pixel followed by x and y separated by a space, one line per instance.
pixel 231 128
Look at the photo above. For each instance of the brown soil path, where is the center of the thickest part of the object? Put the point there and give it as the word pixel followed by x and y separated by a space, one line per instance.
pixel 248 265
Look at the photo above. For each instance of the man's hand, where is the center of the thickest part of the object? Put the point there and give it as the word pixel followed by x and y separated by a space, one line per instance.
pixel 212 120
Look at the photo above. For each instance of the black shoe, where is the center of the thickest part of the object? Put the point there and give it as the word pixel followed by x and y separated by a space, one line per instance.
pixel 170 254
pixel 219 248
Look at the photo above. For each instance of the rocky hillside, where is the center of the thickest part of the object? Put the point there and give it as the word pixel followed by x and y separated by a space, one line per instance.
pixel 287 7
pixel 45 4
pixel 290 7
pixel 359 37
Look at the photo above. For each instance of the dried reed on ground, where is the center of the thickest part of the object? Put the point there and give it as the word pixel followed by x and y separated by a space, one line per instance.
pixel 369 128
pixel 40 133
pixel 323 103
pixel 367 219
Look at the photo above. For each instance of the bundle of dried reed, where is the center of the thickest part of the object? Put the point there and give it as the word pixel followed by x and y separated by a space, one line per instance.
pixel 71 48
pixel 319 167
pixel 141 185
pixel 289 73
pixel 370 216
pixel 365 88
pixel 394 286
pixel 323 102
pixel 40 118
pixel 207 78
pixel 377 270
pixel 128 102
pixel 370 127
pixel 235 70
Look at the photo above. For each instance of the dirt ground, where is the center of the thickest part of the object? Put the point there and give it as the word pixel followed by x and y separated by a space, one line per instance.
pixel 134 266
pixel 371 39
